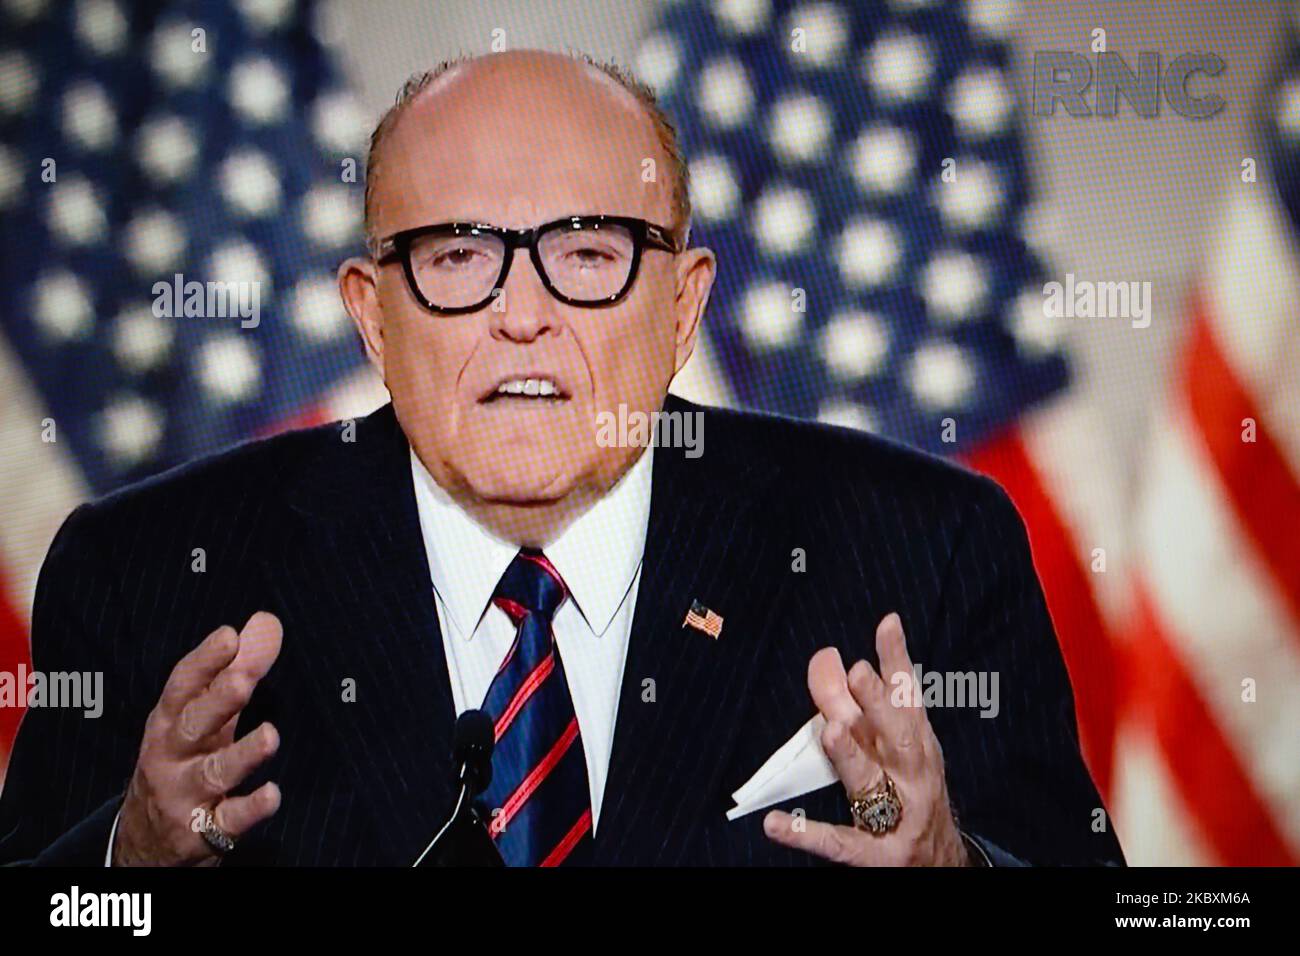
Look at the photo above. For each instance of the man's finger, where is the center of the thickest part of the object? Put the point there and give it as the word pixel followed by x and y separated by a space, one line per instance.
pixel 826 840
pixel 856 769
pixel 839 703
pixel 259 645
pixel 223 770
pixel 872 697
pixel 237 815
pixel 224 737
pixel 230 690
pixel 195 670
pixel 891 648
pixel 829 688
pixel 893 714
pixel 208 713
pixel 888 728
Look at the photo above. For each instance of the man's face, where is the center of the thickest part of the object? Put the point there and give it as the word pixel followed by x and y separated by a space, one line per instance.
pixel 516 142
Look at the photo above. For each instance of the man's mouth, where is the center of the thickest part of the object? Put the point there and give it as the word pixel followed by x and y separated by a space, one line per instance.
pixel 529 389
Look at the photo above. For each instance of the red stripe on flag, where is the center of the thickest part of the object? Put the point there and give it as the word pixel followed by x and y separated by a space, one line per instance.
pixel 1258 483
pixel 14 650
pixel 1082 633
pixel 1216 791
pixel 308 417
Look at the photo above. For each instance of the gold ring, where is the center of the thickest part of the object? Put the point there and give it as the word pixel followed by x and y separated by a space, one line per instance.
pixel 877 809
pixel 215 837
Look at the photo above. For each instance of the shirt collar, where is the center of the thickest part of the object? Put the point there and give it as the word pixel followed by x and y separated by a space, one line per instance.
pixel 597 555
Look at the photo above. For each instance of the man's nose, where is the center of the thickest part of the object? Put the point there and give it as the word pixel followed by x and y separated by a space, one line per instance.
pixel 524 309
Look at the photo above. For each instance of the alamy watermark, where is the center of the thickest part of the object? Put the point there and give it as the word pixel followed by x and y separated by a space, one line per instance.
pixel 74 908
pixel 77 690
pixel 946 689
pixel 637 429
pixel 1085 299
pixel 208 300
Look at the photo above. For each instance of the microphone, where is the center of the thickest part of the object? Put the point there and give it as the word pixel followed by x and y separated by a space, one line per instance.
pixel 463 839
pixel 471 750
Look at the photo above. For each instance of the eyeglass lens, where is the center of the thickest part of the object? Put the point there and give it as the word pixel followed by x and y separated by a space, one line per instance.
pixel 587 265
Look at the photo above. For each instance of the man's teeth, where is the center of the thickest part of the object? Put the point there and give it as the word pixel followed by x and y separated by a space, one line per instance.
pixel 543 387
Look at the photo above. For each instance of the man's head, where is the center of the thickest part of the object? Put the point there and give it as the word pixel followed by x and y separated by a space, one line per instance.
pixel 517 140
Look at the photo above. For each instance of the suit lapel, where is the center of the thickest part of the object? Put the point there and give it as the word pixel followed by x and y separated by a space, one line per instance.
pixel 713 536
pixel 353 580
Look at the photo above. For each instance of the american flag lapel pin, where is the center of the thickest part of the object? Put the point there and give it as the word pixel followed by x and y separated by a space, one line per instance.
pixel 701 618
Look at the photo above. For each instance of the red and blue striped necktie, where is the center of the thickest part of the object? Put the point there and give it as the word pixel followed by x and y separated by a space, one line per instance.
pixel 539 800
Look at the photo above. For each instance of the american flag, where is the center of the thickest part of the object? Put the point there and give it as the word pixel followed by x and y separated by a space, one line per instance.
pixel 1210 743
pixel 861 171
pixel 140 141
pixel 702 619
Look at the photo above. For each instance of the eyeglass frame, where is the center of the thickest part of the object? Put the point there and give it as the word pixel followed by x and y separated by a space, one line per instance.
pixel 644 234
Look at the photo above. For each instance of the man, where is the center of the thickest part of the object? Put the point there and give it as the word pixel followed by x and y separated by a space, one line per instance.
pixel 644 625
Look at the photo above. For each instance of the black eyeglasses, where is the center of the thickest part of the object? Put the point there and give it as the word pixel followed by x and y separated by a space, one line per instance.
pixel 458 267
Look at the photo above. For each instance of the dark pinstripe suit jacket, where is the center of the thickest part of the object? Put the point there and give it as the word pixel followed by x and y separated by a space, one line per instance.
pixel 324 533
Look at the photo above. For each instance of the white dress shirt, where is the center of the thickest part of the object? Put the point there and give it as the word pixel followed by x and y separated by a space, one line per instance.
pixel 599 557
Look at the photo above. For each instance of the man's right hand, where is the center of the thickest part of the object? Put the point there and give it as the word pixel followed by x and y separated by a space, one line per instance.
pixel 189 758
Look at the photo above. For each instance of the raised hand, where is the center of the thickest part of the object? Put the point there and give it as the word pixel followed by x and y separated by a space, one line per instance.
pixel 867 735
pixel 189 759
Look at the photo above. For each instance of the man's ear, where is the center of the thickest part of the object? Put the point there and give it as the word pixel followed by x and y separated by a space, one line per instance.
pixel 696 270
pixel 359 288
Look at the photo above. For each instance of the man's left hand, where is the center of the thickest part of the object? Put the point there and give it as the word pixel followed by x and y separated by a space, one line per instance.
pixel 867 734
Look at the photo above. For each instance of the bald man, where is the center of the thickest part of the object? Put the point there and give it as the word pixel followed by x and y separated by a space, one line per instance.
pixel 691 652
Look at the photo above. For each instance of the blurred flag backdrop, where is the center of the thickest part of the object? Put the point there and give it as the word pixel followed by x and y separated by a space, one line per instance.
pixel 860 170
pixel 138 142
